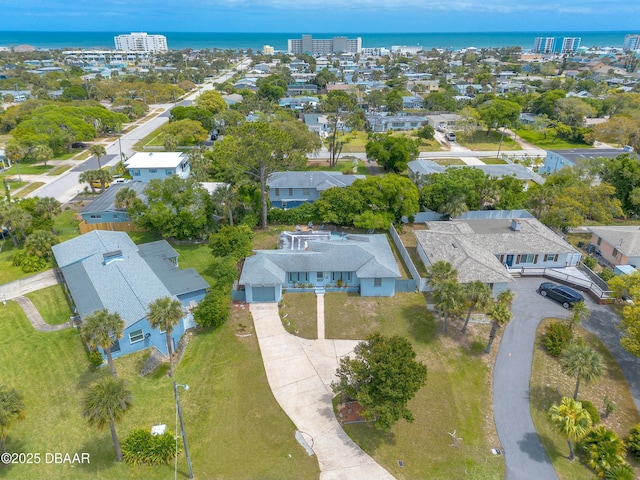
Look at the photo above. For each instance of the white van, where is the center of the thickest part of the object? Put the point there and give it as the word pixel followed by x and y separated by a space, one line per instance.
pixel 450 136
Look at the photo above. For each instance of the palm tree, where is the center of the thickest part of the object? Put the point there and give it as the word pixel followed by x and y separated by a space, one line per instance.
pixel 165 313
pixel 453 207
pixel 570 420
pixel 98 151
pixel 440 272
pixel 225 198
pixel 505 297
pixel 42 153
pixel 104 177
pixel 102 329
pixel 170 143
pixel 579 313
pixel 11 409
pixel 106 402
pixel 449 299
pixel 47 208
pixel 620 472
pixel 478 295
pixel 500 315
pixel 88 176
pixel 602 449
pixel 581 361
pixel 126 198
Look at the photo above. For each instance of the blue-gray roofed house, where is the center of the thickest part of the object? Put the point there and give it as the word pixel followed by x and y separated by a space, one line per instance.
pixel 363 263
pixel 105 269
pixel 292 189
pixel 103 209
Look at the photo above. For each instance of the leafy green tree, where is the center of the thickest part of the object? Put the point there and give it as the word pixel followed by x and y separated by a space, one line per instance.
pixel 341 111
pixel 426 132
pixel 16 220
pixel 497 112
pixel 601 449
pixel 164 314
pixel 382 376
pixel 388 196
pixel 235 242
pixel 39 244
pixel 454 183
pixel 211 101
pixel 254 150
pixel 579 313
pixel 103 329
pixel 393 101
pixel 127 199
pixel 105 403
pixel 339 205
pixel 478 295
pixel 98 151
pixel 225 200
pixel 439 273
pixel 213 310
pixel 175 207
pixel 42 153
pixel 546 102
pixel 440 102
pixel 12 409
pixel 620 129
pixel 45 210
pixel 186 132
pixel 324 77
pixel 392 152
pixel 573 111
pixel 141 447
pixel 623 172
pixel 571 421
pixel 582 362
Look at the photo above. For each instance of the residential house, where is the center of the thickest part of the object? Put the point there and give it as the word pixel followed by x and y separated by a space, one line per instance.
pixel 319 123
pixel 302 89
pixel 383 123
pixel 413 102
pixel 292 189
pixel 105 269
pixel 488 248
pixel 418 169
pixel 103 208
pixel 558 159
pixel 146 166
pixel 363 263
pixel 617 245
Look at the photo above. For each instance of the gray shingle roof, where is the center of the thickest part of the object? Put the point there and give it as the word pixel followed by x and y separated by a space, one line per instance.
pixel 428 167
pixel 106 201
pixel 369 256
pixel 318 180
pixel 625 239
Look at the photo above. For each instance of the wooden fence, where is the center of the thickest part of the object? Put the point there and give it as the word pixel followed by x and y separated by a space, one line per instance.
pixel 113 226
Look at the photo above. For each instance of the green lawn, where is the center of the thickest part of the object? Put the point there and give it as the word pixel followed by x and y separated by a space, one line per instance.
pixel 60 169
pixel 26 169
pixel 52 304
pixel 548 385
pixel 457 395
pixel 235 428
pixel 549 143
pixel 32 187
pixel 480 141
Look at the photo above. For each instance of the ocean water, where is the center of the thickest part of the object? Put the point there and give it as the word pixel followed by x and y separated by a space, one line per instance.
pixel 255 41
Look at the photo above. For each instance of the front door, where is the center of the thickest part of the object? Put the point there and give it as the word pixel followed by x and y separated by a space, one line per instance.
pixel 509 261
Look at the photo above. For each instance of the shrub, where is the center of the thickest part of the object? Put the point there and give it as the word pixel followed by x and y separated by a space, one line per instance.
pixel 213 311
pixel 633 442
pixel 141 447
pixel 602 450
pixel 556 336
pixel 95 358
pixel 593 411
pixel 300 215
pixel 620 472
pixel 589 262
pixel 606 275
pixel 30 263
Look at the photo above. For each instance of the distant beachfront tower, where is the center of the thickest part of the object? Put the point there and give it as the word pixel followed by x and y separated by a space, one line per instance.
pixel 141 42
pixel 324 46
pixel 631 42
pixel 570 44
pixel 544 44
pixel 268 50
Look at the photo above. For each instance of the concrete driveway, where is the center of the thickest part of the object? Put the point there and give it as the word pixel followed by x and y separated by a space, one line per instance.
pixel 299 372
pixel 524 455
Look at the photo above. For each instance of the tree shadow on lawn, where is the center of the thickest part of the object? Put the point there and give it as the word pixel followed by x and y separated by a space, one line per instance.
pixel 422 327
pixel 541 398
pixel 368 437
pixel 13 446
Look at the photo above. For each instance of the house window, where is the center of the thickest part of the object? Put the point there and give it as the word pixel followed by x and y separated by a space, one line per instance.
pixel 95 216
pixel 599 241
pixel 135 173
pixel 320 276
pixel 136 336
pixel 305 192
pixel 615 253
pixel 277 192
pixel 377 282
pixel 291 192
pixel 526 258
pixel 153 170
pixel 168 172
pixel 551 257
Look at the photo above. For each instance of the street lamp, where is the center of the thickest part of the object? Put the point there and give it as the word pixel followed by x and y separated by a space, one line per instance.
pixel 119 135
pixel 184 436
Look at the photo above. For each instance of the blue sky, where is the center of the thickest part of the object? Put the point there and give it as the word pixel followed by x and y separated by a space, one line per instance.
pixel 348 16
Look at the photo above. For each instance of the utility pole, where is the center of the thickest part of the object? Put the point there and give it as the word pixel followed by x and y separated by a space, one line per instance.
pixel 184 436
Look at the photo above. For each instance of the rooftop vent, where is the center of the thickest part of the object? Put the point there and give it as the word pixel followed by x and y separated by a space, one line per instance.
pixel 109 257
pixel 516 226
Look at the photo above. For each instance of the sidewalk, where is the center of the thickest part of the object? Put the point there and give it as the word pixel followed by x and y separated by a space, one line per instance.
pixel 300 372
pixel 36 319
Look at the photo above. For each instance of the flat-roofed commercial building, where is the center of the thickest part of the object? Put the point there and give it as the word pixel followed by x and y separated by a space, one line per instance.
pixel 323 46
pixel 141 42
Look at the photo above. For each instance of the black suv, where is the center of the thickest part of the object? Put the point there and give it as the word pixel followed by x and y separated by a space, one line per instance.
pixel 568 297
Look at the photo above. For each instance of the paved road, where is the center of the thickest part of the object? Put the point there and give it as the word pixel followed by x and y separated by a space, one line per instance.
pixel 525 457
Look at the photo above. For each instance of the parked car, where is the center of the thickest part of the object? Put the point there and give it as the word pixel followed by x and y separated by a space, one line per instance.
pixel 441 127
pixel 78 145
pixel 98 184
pixel 562 294
pixel 450 136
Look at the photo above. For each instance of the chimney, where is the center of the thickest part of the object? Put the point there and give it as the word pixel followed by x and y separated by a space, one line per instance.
pixel 516 225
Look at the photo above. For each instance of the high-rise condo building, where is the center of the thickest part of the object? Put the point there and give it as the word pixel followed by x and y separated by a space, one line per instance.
pixel 570 44
pixel 141 42
pixel 314 46
pixel 544 44
pixel 631 42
